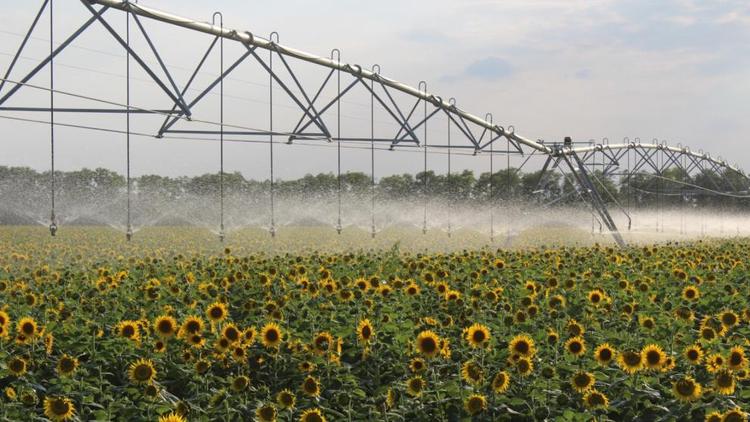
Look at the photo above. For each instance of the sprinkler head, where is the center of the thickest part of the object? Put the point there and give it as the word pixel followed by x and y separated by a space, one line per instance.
pixel 272 230
pixel 372 231
pixel 338 228
pixel 53 228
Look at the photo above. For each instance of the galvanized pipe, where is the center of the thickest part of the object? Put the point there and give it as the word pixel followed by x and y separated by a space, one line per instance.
pixel 249 39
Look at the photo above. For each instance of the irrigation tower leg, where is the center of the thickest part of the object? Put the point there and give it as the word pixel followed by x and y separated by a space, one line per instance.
pixel 584 180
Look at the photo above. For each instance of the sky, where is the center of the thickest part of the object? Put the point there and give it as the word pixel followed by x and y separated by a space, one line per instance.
pixel 674 70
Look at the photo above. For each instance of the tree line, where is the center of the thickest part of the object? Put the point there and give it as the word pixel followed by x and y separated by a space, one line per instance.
pixel 672 187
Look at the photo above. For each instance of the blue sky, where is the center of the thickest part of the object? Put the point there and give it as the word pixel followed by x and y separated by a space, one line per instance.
pixel 676 70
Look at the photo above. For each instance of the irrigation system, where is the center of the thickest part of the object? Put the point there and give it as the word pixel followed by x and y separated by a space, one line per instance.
pixel 410 109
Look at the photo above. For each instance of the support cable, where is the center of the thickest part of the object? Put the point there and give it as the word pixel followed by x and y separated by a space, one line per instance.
pixel 426 196
pixel 272 229
pixel 375 68
pixel 221 128
pixel 339 227
pixel 53 217
pixel 129 227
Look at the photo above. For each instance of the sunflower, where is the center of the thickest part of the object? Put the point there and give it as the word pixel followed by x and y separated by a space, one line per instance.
pixel 417 365
pixel 734 415
pixel 576 346
pixel 266 413
pixel 428 343
pixel 524 366
pixel 142 371
pixel 17 366
pixel 58 408
pixel 271 335
pixel 27 327
pixel 500 382
pixel 604 354
pixel 714 362
pixel 311 387
pixel 594 399
pixel 415 386
pixel 477 335
pixel 128 330
pixel 231 333
pixel 285 399
pixel 653 356
pixel 191 325
pixel 582 381
pixel 522 345
pixel 312 415
pixel 4 319
pixel 216 312
pixel 691 293
pixel 687 389
pixel 66 365
pixel 322 343
pixel 202 366
pixel 412 289
pixel 736 359
pixel 475 403
pixel 165 326
pixel 574 328
pixel 728 319
pixel 172 417
pixel 694 354
pixel 472 373
pixel 365 331
pixel 713 417
pixel 596 297
pixel 630 361
pixel 248 336
pixel 240 383
pixel 724 382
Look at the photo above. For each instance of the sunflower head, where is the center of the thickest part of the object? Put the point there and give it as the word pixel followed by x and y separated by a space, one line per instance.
pixel 630 361
pixel 653 356
pixel 576 346
pixel 734 415
pixel 417 365
pixel 172 417
pixel 500 382
pixel 475 403
pixel 415 386
pixel 311 386
pixel 312 415
pixel 687 389
pixel 604 354
pixel 724 382
pixel 693 354
pixel 17 366
pixel 271 335
pixel 594 399
pixel 472 373
pixel 428 344
pixel 524 366
pixel 736 359
pixel 365 331
pixel 522 345
pixel 285 399
pixel 27 327
pixel 217 311
pixel 142 371
pixel 165 326
pixel 231 333
pixel 582 381
pixel 58 408
pixel 66 365
pixel 240 383
pixel 266 413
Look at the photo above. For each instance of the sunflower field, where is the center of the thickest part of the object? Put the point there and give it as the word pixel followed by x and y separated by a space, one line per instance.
pixel 172 328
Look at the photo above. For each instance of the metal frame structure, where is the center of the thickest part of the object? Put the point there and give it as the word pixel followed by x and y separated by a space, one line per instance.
pixel 478 135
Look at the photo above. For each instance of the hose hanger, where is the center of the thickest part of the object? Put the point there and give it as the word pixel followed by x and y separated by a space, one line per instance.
pixel 272 227
pixel 376 71
pixel 222 235
pixel 422 87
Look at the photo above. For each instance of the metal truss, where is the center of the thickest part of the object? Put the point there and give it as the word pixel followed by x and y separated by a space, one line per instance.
pixel 316 110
